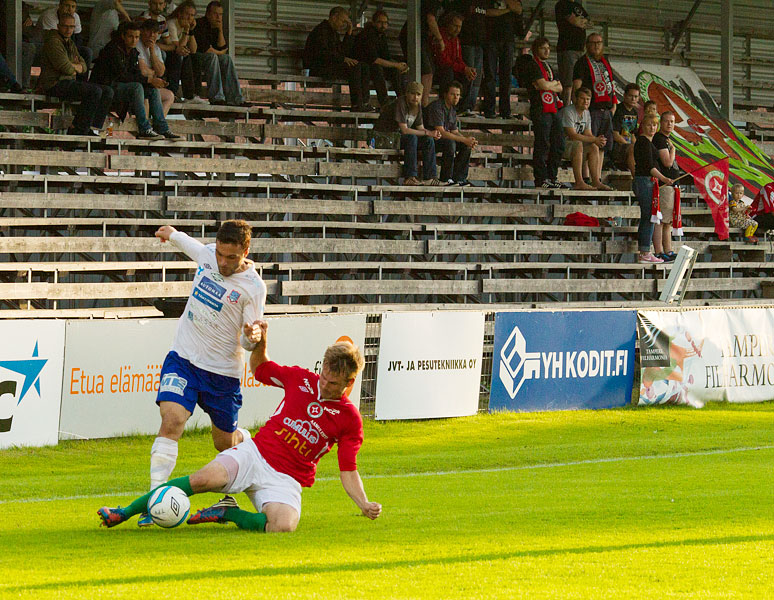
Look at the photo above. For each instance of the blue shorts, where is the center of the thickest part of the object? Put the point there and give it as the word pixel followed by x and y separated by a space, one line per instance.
pixel 219 396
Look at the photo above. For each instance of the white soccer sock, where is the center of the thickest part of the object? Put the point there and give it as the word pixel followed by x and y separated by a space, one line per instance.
pixel 163 459
pixel 245 434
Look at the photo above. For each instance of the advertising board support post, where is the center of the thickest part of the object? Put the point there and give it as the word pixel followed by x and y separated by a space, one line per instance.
pixel 677 282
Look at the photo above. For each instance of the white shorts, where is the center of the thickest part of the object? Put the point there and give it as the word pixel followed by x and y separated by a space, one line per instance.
pixel 258 479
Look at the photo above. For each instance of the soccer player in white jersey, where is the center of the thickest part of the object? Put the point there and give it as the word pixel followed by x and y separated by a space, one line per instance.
pixel 206 360
pixel 282 458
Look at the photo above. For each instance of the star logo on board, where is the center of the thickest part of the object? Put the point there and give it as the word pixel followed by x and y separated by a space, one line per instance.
pixel 30 369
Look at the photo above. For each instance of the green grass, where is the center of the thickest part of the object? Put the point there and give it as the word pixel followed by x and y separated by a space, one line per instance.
pixel 493 506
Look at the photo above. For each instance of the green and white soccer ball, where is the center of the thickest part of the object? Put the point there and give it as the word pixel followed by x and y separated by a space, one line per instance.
pixel 169 506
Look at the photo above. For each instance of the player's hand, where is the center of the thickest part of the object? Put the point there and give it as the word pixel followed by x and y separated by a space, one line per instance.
pixel 165 232
pixel 253 331
pixel 372 510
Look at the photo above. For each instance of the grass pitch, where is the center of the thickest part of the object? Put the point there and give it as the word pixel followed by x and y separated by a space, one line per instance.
pixel 631 503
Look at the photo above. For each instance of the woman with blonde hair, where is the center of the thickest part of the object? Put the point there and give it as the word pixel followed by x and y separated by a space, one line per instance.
pixel 645 187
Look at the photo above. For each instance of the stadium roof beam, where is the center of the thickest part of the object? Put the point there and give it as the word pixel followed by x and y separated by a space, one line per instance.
pixel 684 24
pixel 412 40
pixel 229 26
pixel 13 22
pixel 727 58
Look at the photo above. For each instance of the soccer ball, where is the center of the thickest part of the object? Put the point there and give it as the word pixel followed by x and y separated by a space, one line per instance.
pixel 168 506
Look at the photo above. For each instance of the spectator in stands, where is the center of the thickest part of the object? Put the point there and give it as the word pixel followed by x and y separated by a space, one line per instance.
pixel 649 109
pixel 106 16
pixel 152 62
pixel 594 72
pixel 625 125
pixel 571 21
pixel 213 60
pixel 404 117
pixel 60 62
pixel 762 208
pixel 449 65
pixel 739 214
pixel 582 146
pixel 429 37
pixel 544 104
pixel 49 20
pixel 328 53
pixel 503 25
pixel 7 79
pixel 456 147
pixel 118 65
pixel 667 165
pixel 372 52
pixel 472 38
pixel 156 12
pixel 646 175
pixel 179 62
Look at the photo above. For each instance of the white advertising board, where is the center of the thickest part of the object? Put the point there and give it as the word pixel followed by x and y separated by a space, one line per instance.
pixel 429 365
pixel 695 356
pixel 31 357
pixel 112 370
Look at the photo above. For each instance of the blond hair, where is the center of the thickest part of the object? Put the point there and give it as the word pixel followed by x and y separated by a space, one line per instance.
pixel 414 87
pixel 649 118
pixel 344 358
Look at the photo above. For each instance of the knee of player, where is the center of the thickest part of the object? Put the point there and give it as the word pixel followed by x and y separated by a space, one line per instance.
pixel 281 525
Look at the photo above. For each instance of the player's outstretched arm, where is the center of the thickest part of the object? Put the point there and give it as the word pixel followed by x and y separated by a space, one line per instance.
pixel 353 485
pixel 165 232
pixel 259 354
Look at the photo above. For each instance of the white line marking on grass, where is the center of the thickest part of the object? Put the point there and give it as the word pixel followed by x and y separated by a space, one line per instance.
pixel 574 463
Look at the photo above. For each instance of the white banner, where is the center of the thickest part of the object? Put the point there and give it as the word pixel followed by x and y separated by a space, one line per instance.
pixel 696 356
pixel 429 365
pixel 112 369
pixel 31 356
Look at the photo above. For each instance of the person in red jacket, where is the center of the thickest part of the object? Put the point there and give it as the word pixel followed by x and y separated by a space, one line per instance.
pixel 281 459
pixel 449 65
pixel 762 208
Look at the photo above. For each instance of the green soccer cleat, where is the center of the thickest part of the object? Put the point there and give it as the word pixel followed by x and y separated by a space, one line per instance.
pixel 112 516
pixel 215 513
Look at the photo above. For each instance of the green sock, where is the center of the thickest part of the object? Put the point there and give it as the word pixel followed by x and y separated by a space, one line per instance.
pixel 141 504
pixel 245 519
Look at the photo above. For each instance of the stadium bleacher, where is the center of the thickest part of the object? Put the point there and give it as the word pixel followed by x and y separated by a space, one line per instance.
pixel 333 229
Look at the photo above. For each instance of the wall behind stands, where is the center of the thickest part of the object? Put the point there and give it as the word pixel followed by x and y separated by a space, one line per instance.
pixel 270 35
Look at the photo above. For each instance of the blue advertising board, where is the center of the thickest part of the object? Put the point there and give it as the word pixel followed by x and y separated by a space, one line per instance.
pixel 562 360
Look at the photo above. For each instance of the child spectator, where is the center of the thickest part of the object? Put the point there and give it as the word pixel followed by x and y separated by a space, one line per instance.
pixel 739 214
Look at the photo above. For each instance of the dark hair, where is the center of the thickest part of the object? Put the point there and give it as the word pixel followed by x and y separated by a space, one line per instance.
pixel 213 4
pixel 336 11
pixel 379 13
pixel 667 113
pixel 448 17
pixel 631 86
pixel 181 7
pixel 648 103
pixel 453 84
pixel 151 25
pixel 538 42
pixel 236 232
pixel 127 26
pixel 583 90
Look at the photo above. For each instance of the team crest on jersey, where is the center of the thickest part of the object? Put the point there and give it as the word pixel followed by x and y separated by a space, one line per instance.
pixel 217 277
pixel 233 297
pixel 207 266
pixel 314 410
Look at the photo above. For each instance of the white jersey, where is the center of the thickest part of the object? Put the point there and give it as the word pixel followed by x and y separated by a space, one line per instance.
pixel 209 329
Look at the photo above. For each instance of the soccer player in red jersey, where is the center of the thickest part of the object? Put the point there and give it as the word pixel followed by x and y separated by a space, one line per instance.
pixel 282 458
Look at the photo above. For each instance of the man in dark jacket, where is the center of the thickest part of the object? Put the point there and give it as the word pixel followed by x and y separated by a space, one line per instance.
pixel 373 55
pixel 328 53
pixel 118 66
pixel 60 62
